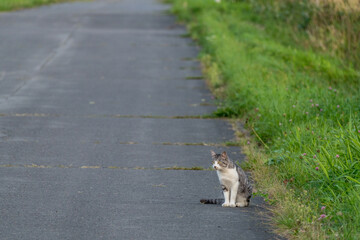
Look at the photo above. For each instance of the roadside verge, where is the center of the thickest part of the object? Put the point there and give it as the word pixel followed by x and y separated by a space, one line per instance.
pixel 300 108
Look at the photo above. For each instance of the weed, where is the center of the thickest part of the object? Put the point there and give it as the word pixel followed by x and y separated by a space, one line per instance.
pixel 8 5
pixel 184 168
pixel 195 78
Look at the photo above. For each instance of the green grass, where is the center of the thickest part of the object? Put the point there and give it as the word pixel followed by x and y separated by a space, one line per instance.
pixel 9 5
pixel 302 105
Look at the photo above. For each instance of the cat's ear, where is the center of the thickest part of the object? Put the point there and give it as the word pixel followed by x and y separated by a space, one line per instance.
pixel 224 155
pixel 213 154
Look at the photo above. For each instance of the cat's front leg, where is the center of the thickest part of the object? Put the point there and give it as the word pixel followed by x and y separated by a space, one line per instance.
pixel 226 196
pixel 234 190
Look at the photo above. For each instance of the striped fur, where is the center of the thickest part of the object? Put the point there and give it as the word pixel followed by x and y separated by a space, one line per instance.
pixel 212 201
pixel 234 182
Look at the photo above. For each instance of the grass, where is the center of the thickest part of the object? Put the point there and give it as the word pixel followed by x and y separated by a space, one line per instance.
pixel 300 104
pixel 10 5
pixel 330 26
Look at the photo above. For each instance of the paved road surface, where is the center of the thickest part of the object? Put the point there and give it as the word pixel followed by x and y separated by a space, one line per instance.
pixel 90 95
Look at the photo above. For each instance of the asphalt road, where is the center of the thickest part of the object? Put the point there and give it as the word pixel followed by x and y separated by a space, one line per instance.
pixel 90 99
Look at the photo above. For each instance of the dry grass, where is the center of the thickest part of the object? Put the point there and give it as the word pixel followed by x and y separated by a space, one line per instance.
pixel 335 27
pixel 332 26
pixel 339 5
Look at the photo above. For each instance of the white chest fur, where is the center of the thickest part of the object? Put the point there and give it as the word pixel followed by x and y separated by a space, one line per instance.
pixel 228 176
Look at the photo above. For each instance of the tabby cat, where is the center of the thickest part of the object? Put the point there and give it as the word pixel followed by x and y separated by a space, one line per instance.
pixel 234 182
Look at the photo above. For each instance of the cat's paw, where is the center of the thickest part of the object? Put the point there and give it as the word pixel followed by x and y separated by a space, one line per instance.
pixel 232 205
pixel 225 205
pixel 241 204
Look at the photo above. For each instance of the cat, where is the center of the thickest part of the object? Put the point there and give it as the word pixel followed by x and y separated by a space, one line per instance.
pixel 234 182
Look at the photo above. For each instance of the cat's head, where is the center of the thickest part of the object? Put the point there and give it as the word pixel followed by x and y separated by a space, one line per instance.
pixel 220 161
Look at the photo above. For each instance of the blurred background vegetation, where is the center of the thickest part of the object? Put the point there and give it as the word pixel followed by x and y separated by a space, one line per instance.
pixel 332 26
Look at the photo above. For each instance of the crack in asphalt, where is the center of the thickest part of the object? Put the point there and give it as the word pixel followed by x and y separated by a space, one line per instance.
pixel 33 165
pixel 44 115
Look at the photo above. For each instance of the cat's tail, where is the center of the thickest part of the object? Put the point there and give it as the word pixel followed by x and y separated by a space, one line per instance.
pixel 212 201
